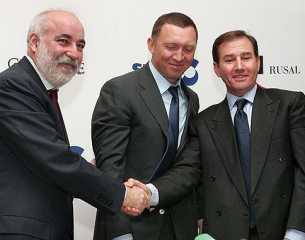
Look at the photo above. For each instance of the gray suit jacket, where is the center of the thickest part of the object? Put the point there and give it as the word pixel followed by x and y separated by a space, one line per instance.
pixel 277 167
pixel 129 128
pixel 39 173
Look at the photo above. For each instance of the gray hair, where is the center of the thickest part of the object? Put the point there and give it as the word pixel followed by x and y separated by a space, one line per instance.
pixel 39 22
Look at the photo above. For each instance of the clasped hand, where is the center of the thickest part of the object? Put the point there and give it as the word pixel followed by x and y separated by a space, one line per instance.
pixel 137 197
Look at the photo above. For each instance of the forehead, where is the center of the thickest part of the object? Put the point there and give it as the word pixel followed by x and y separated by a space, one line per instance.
pixel 174 33
pixel 62 23
pixel 235 47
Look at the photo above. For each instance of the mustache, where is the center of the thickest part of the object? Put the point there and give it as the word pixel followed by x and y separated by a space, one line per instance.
pixel 68 60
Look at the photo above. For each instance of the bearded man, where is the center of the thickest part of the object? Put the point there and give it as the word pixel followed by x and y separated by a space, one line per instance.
pixel 39 173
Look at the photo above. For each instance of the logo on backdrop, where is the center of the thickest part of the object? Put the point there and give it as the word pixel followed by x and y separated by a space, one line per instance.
pixel 190 77
pixel 12 61
pixel 261 67
pixel 77 149
pixel 284 70
pixel 15 60
pixel 279 69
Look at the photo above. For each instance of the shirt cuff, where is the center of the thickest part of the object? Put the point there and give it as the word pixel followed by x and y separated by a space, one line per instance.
pixel 154 200
pixel 294 234
pixel 124 237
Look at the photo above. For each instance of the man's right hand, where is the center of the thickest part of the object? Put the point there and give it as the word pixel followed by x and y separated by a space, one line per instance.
pixel 132 183
pixel 136 200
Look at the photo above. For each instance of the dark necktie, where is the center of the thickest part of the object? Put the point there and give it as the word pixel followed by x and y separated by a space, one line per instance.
pixel 172 137
pixel 54 97
pixel 243 137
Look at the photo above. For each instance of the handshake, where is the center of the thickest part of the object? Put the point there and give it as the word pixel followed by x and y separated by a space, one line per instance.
pixel 137 197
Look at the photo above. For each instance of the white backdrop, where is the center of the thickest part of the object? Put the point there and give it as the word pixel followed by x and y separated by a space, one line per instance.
pixel 116 35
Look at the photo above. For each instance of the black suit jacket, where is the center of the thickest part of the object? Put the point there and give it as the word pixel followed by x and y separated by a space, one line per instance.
pixel 129 129
pixel 39 174
pixel 277 167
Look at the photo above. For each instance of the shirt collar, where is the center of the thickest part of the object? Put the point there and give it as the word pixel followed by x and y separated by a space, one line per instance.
pixel 47 85
pixel 162 83
pixel 249 96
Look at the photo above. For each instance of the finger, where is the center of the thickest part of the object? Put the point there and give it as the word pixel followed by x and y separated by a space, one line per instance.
pixel 130 183
pixel 131 211
pixel 93 161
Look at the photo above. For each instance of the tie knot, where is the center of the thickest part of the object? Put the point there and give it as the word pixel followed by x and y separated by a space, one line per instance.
pixel 53 94
pixel 174 91
pixel 240 103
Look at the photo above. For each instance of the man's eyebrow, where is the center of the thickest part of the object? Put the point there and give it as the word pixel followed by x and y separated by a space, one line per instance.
pixel 64 35
pixel 82 41
pixel 247 53
pixel 232 54
pixel 228 55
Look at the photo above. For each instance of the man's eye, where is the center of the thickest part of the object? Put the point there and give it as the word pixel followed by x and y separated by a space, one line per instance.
pixel 189 49
pixel 82 46
pixel 62 40
pixel 171 48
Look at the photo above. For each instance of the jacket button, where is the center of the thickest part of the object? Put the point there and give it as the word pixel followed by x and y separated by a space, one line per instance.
pixel 213 178
pixel 219 213
pixel 161 211
pixel 282 159
pixel 283 195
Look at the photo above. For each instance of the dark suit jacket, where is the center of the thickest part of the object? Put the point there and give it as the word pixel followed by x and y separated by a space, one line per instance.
pixel 277 167
pixel 129 129
pixel 39 174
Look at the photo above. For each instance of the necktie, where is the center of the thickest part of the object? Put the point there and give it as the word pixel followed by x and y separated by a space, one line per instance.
pixel 172 136
pixel 54 97
pixel 243 137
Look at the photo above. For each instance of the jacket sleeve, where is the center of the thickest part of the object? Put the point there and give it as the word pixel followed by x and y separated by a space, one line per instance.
pixel 296 218
pixel 29 126
pixel 110 138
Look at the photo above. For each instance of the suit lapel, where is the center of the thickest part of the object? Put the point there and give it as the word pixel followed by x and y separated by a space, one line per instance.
pixel 222 131
pixel 263 116
pixel 152 97
pixel 58 120
pixel 27 66
pixel 154 102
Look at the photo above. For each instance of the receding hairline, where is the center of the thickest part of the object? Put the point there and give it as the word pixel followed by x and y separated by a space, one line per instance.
pixel 38 24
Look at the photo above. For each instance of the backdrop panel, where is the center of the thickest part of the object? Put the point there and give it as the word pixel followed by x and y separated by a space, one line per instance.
pixel 116 35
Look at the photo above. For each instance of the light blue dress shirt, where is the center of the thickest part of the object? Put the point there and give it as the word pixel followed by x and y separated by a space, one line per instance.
pixel 247 108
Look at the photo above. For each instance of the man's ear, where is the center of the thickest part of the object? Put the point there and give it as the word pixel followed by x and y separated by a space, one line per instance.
pixel 33 41
pixel 258 61
pixel 216 69
pixel 151 45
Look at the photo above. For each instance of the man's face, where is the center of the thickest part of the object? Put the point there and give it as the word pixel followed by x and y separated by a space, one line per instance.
pixel 238 67
pixel 173 51
pixel 59 51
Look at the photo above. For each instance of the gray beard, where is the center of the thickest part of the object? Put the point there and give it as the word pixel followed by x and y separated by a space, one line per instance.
pixel 48 67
